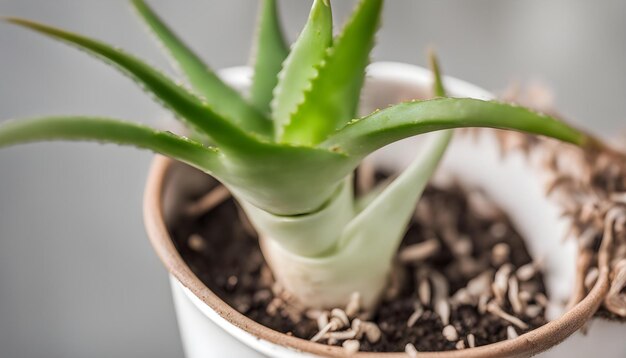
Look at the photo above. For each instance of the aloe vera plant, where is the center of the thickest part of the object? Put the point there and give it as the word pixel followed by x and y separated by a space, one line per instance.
pixel 287 149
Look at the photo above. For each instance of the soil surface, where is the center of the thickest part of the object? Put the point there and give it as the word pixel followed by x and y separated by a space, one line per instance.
pixel 227 258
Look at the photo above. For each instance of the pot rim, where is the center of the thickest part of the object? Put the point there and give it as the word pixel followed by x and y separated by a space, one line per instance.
pixel 527 344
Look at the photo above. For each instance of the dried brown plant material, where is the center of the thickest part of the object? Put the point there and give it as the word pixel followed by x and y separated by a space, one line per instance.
pixel 583 262
pixel 450 333
pixel 471 340
pixel 420 251
pixel 501 282
pixel 516 302
pixel 460 345
pixel 196 243
pixel 615 300
pixel 351 346
pixel 495 310
pixel 500 254
pixel 415 316
pixel 371 331
pixel 354 305
pixel 410 350
pixel 511 333
pixel 212 199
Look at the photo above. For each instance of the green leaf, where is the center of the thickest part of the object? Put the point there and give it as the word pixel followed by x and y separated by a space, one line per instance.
pixel 334 96
pixel 363 136
pixel 183 103
pixel 438 88
pixel 270 52
pixel 112 131
pixel 218 95
pixel 300 67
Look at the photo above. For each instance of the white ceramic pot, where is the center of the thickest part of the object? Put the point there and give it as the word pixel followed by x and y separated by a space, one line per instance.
pixel 210 328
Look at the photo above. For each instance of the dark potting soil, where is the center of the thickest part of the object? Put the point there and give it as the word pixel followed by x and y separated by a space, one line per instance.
pixel 227 258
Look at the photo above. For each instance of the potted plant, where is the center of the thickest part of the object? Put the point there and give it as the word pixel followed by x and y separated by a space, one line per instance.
pixel 287 153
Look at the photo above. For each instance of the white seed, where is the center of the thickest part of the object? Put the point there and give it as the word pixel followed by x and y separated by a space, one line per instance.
pixel 424 291
pixel 410 350
pixel 471 340
pixel 501 282
pixel 591 277
pixel 460 345
pixel 372 332
pixel 462 297
pixel 339 314
pixel 415 316
pixel 500 254
pixel 462 247
pixel 526 272
pixel 357 326
pixel 525 296
pixel 480 284
pixel 483 301
pixel 442 308
pixel 351 346
pixel 441 289
pixel 420 251
pixel 516 303
pixel 342 335
pixel 533 311
pixel 322 320
pixel 511 333
pixel 196 243
pixel 321 333
pixel 354 305
pixel 450 333
pixel 494 309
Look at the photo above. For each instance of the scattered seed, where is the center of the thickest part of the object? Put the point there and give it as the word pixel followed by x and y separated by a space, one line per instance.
pixel 415 316
pixel 442 308
pixel 341 335
pixel 212 199
pixel 420 251
pixel 424 291
pixel 480 284
pixel 471 340
pixel 340 315
pixel 526 272
pixel 351 346
pixel 460 345
pixel 500 254
pixel 483 301
pixel 410 350
pixel 196 243
pixel 322 320
pixel 514 299
pixel 356 326
pixel 501 282
pixel 450 333
pixel 511 333
pixel 541 299
pixel 321 333
pixel 495 310
pixel 371 331
pixel 354 305
pixel 533 311
pixel 462 297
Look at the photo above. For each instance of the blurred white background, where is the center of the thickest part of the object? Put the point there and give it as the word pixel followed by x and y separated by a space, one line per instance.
pixel 77 275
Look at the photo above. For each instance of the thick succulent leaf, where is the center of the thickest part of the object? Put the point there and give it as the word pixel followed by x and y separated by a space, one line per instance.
pixel 185 104
pixel 382 224
pixel 363 136
pixel 301 65
pixel 105 130
pixel 218 95
pixel 334 96
pixel 269 53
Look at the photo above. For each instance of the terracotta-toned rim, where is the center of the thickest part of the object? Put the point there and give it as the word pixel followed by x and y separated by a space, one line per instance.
pixel 527 344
